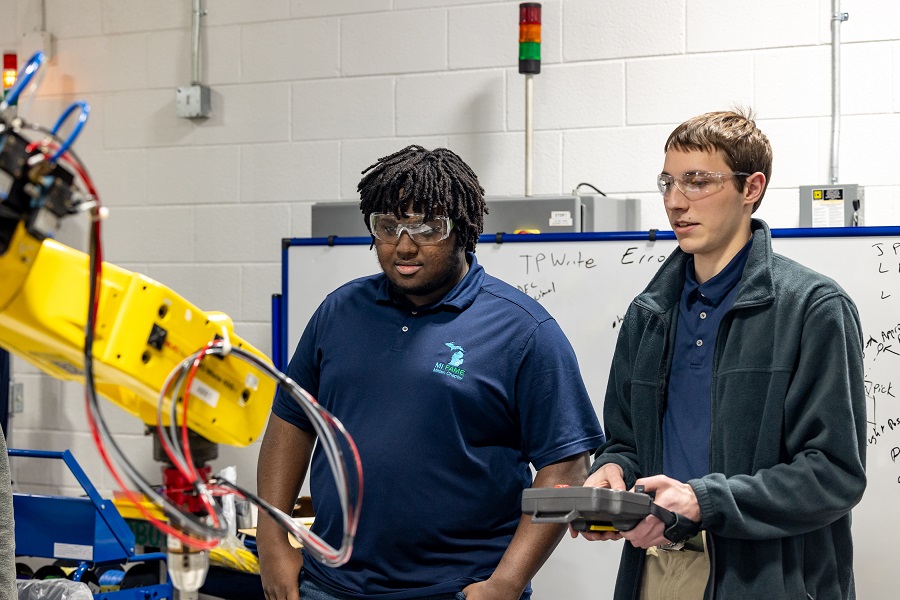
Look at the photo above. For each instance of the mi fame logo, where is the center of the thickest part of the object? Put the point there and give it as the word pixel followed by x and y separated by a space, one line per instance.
pixel 452 367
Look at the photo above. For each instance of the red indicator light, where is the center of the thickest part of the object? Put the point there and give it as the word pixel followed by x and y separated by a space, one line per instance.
pixel 10 70
pixel 530 12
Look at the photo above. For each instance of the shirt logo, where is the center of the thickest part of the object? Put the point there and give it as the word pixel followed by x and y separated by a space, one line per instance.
pixel 451 367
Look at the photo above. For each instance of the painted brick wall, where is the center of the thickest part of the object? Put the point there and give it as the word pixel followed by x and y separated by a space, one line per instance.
pixel 307 93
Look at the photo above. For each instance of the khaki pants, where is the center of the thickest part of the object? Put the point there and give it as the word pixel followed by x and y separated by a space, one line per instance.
pixel 675 575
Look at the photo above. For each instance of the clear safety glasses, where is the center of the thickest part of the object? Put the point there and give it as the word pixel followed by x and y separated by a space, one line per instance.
pixel 695 184
pixel 387 228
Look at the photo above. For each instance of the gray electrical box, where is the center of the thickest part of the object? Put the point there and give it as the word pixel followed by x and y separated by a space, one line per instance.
pixel 534 214
pixel 507 214
pixel 605 213
pixel 834 205
pixel 192 101
pixel 342 219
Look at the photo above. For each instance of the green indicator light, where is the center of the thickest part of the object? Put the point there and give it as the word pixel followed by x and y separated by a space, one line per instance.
pixel 530 51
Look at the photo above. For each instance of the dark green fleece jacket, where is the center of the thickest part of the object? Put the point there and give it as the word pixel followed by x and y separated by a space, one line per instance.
pixel 787 442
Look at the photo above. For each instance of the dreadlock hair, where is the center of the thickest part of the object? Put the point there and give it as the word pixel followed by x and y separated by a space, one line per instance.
pixel 432 182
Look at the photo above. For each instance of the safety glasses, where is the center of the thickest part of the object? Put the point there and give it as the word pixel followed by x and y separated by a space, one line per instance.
pixel 695 184
pixel 387 228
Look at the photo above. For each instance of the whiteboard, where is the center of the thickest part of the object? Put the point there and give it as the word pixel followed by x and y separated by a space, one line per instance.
pixel 587 280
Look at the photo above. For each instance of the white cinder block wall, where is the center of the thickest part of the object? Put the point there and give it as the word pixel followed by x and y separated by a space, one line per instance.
pixel 307 93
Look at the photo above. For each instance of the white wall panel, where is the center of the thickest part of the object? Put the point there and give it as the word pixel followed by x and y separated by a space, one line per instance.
pixel 672 89
pixel 793 83
pixel 97 64
pixel 290 50
pixel 458 102
pixel 229 12
pixel 499 160
pixel 153 234
pixel 318 8
pixel 595 30
pixel 216 228
pixel 870 148
pixel 124 16
pixel 220 57
pixel 289 171
pixel 144 119
pixel 190 176
pixel 570 96
pixel 74 18
pixel 723 25
pixel 345 108
pixel 896 77
pixel 394 42
pixel 122 177
pixel 866 78
pixel 869 20
pixel 268 105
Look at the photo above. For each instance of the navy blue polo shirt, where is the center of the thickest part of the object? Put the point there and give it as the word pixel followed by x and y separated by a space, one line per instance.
pixel 448 404
pixel 687 419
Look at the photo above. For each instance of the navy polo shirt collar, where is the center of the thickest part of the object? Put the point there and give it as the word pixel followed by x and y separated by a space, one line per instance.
pixel 716 288
pixel 460 297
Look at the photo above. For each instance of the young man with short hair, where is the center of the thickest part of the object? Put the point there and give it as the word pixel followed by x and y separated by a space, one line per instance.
pixel 451 383
pixel 736 395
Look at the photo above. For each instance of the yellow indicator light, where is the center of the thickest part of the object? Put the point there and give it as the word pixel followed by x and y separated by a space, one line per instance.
pixel 529 32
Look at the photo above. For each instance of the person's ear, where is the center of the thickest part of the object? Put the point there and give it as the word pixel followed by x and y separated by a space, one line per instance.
pixel 754 186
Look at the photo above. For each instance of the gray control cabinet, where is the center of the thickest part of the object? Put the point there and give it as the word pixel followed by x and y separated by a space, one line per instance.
pixel 506 214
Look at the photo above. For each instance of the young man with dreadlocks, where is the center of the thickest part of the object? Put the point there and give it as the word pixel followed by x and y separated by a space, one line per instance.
pixel 451 382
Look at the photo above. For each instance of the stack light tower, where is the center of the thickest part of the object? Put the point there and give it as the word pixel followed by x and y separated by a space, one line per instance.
pixel 529 65
pixel 10 71
pixel 574 212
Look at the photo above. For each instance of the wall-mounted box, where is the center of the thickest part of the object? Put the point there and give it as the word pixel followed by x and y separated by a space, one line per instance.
pixel 835 205
pixel 605 213
pixel 192 102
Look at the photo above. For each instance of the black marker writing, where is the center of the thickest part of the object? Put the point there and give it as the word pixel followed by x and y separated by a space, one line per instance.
pixel 535 291
pixel 556 260
pixel 630 258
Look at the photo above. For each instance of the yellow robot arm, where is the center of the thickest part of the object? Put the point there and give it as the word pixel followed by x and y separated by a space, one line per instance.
pixel 140 334
pixel 143 331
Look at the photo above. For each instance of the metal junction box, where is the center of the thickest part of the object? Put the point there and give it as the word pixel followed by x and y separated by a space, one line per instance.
pixel 192 102
pixel 835 205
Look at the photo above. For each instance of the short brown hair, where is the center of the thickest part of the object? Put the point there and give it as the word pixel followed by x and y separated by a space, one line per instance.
pixel 735 133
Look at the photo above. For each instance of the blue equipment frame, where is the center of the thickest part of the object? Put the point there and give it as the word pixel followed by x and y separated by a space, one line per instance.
pixel 45 525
